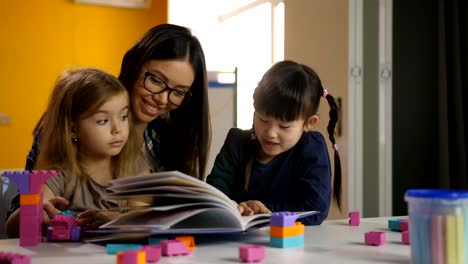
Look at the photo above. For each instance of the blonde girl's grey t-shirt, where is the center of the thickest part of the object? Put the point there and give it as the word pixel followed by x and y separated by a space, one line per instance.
pixel 82 195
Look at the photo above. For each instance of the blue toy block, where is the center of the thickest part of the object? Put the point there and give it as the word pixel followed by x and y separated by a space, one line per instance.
pixel 288 242
pixel 394 224
pixel 37 179
pixel 156 240
pixel 20 178
pixel 283 219
pixel 115 248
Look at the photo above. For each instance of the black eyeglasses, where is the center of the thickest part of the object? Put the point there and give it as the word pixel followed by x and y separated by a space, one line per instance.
pixel 155 85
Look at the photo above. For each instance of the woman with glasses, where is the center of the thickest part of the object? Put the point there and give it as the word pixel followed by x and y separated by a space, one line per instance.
pixel 165 75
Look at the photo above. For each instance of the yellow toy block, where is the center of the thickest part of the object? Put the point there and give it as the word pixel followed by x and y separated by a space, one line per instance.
pixel 189 241
pixel 288 231
pixel 30 199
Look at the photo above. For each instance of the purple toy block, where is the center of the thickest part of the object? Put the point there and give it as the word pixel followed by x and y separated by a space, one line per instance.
pixel 37 179
pixel 283 219
pixel 375 238
pixel 75 234
pixel 403 224
pixel 251 253
pixel 405 238
pixel 153 252
pixel 13 258
pixel 131 257
pixel 354 218
pixel 173 248
pixel 20 178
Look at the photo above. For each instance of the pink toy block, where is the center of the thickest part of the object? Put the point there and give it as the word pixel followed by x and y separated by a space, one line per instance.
pixel 13 258
pixel 375 238
pixel 405 238
pixel 62 227
pixel 354 218
pixel 251 253
pixel 283 219
pixel 20 178
pixel 31 216
pixel 131 257
pixel 403 224
pixel 37 179
pixel 174 248
pixel 153 252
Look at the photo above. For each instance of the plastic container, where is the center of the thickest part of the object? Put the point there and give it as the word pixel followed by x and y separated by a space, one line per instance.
pixel 438 226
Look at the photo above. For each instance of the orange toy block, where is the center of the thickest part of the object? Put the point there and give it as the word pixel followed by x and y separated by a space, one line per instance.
pixel 30 199
pixel 288 231
pixel 189 241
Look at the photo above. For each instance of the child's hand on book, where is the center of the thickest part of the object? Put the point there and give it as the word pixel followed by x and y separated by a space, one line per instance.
pixel 252 207
pixel 90 219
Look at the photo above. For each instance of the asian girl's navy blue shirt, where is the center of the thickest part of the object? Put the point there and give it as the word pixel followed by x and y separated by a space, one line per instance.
pixel 296 180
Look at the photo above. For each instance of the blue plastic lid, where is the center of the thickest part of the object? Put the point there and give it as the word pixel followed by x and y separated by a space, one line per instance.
pixel 437 193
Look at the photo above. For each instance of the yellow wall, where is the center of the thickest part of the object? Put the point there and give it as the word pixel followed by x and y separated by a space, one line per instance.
pixel 39 39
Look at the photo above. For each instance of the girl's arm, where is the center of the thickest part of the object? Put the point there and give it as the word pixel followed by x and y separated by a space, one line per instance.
pixel 226 165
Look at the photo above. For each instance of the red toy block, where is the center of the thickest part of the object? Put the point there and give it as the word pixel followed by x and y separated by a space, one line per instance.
pixel 131 257
pixel 405 238
pixel 375 238
pixel 13 258
pixel 20 178
pixel 153 252
pixel 403 224
pixel 251 253
pixel 37 179
pixel 283 219
pixel 174 248
pixel 354 218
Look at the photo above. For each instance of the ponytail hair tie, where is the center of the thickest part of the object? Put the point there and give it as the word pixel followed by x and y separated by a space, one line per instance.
pixel 325 93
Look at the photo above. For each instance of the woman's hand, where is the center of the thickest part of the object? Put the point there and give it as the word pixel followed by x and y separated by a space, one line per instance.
pixel 90 219
pixel 252 207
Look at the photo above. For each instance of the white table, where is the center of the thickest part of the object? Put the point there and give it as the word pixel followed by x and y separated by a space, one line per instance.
pixel 333 242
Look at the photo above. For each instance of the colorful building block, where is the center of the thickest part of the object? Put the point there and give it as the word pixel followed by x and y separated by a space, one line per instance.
pixel 131 257
pixel 153 252
pixel 38 178
pixel 287 242
pixel 30 188
pixel 189 241
pixel 251 253
pixel 154 240
pixel 283 219
pixel 173 248
pixel 394 224
pixel 405 238
pixel 20 178
pixel 30 199
pixel 116 248
pixel 374 238
pixel 63 228
pixel 354 218
pixel 403 225
pixel 13 258
pixel 288 231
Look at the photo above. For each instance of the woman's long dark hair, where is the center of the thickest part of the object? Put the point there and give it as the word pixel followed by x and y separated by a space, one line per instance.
pixel 186 141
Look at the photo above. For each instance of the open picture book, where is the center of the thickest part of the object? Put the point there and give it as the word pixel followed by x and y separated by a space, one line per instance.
pixel 180 204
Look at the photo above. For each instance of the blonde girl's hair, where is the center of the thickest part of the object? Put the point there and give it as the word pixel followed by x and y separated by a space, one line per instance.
pixel 79 94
